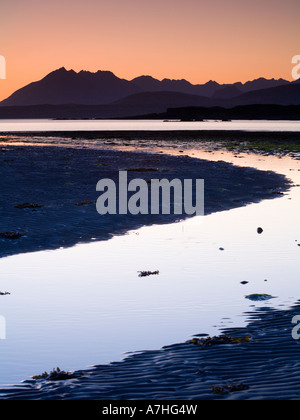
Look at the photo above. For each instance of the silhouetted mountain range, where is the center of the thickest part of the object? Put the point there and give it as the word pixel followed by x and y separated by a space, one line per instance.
pixel 115 97
pixel 68 87
pixel 209 89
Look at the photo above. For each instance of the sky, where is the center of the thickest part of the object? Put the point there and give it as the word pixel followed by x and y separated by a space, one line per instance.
pixel 197 40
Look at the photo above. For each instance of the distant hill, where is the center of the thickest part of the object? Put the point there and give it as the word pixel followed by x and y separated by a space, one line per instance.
pixel 209 89
pixel 68 87
pixel 149 84
pixel 165 99
pixel 72 93
pixel 288 94
pixel 103 87
pixel 227 92
pixel 244 112
pixel 262 83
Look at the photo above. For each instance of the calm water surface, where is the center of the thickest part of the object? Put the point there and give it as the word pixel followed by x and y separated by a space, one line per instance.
pixel 159 125
pixel 86 305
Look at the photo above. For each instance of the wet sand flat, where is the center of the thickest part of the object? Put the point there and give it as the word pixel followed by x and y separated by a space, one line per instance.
pixel 262 364
pixel 49 193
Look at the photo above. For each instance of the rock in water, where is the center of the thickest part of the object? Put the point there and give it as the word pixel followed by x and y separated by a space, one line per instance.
pixel 259 297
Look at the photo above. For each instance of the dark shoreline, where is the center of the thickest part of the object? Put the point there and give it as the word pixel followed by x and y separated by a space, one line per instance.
pixel 191 135
pixel 153 111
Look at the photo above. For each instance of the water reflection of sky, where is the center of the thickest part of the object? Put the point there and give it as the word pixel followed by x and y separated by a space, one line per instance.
pixel 86 305
pixel 26 125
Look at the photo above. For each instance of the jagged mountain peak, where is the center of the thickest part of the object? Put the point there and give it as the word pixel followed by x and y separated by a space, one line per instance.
pixel 103 87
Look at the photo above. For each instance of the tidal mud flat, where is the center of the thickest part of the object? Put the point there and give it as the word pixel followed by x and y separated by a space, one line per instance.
pixel 259 362
pixel 49 193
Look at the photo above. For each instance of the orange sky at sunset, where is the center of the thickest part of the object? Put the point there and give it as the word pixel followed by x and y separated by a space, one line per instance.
pixel 226 41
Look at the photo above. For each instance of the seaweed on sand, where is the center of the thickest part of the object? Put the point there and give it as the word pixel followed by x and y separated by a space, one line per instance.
pixel 57 375
pixel 83 203
pixel 148 273
pixel 11 235
pixel 226 389
pixel 28 206
pixel 222 339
